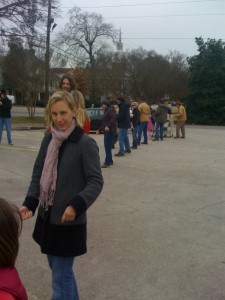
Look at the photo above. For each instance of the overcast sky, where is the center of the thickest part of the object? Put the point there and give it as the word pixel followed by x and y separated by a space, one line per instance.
pixel 160 25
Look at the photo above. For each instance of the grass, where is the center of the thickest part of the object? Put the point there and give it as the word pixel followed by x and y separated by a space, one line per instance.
pixel 27 120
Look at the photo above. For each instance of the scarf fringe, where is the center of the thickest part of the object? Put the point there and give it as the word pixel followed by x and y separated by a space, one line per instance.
pixel 46 198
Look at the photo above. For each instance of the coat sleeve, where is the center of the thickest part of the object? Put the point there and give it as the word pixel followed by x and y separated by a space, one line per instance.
pixel 93 175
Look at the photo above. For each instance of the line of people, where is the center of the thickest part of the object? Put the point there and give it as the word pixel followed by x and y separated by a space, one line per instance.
pixel 140 119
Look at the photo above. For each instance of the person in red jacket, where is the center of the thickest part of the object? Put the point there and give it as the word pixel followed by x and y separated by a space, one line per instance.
pixel 11 287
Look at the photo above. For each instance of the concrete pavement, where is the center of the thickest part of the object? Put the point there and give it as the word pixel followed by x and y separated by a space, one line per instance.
pixel 155 233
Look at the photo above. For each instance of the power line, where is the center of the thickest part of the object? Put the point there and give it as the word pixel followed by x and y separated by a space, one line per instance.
pixel 148 4
pixel 162 16
pixel 163 38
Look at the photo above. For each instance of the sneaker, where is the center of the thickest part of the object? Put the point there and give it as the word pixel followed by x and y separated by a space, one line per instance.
pixel 11 144
pixel 119 154
pixel 104 166
pixel 144 143
pixel 133 147
pixel 128 151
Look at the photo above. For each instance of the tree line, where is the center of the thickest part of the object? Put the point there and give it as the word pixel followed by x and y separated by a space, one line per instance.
pixel 86 45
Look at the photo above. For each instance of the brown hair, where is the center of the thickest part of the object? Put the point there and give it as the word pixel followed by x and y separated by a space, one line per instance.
pixel 71 81
pixel 10 228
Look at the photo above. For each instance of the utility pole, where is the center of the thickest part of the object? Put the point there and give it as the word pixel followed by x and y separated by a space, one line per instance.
pixel 47 53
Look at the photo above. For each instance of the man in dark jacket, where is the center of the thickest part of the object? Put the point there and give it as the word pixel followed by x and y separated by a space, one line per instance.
pixel 123 125
pixel 160 119
pixel 109 128
pixel 135 120
pixel 5 116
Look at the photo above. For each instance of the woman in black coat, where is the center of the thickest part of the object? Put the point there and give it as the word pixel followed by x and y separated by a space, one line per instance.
pixel 66 181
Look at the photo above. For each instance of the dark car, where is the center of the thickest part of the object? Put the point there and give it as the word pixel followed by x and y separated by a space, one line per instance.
pixel 95 115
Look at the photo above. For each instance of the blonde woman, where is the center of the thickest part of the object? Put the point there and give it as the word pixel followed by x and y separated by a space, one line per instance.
pixel 66 181
pixel 81 114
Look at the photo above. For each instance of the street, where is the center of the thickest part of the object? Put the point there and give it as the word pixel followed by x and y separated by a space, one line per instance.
pixel 155 233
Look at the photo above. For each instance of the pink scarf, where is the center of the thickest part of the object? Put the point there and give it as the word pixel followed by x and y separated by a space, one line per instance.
pixel 49 172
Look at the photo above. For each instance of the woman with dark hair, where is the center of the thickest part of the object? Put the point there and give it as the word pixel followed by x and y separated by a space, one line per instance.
pixel 67 83
pixel 66 181
pixel 11 287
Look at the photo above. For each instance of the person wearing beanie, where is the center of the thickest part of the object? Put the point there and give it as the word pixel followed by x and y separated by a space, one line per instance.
pixel 108 127
pixel 5 116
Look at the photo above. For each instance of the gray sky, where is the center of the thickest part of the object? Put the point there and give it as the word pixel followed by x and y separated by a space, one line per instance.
pixel 160 25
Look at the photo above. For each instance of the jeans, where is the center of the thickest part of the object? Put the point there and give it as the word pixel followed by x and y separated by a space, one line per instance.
pixel 63 280
pixel 159 131
pixel 7 123
pixel 134 134
pixel 123 139
pixel 143 128
pixel 108 141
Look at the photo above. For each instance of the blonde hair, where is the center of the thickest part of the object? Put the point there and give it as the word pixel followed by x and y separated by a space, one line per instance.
pixel 80 113
pixel 56 97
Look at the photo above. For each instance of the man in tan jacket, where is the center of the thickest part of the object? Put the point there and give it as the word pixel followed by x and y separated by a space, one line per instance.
pixel 144 110
pixel 181 120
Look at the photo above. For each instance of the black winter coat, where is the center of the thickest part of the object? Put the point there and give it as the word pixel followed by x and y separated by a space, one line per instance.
pixel 124 115
pixel 5 108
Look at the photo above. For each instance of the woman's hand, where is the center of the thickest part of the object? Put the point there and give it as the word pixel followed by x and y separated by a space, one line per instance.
pixel 25 213
pixel 69 214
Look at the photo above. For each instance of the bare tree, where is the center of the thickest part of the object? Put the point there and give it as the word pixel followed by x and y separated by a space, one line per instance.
pixel 23 71
pixel 86 35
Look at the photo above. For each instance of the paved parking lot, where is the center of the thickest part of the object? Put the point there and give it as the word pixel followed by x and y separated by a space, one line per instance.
pixel 156 232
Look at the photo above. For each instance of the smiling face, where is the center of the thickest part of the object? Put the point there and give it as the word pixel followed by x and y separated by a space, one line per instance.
pixel 66 85
pixel 61 114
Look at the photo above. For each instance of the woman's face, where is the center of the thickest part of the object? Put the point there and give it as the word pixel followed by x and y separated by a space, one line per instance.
pixel 61 114
pixel 66 85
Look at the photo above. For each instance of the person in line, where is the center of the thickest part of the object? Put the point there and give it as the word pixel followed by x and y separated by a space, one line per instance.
pixel 5 116
pixel 144 109
pixel 66 181
pixel 11 287
pixel 109 128
pixel 135 120
pixel 67 83
pixel 160 119
pixel 80 105
pixel 181 120
pixel 123 125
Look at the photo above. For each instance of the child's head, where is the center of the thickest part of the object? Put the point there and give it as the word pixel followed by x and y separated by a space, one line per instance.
pixel 10 227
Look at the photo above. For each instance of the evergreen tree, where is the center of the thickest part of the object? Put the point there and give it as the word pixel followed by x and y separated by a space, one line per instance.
pixel 206 104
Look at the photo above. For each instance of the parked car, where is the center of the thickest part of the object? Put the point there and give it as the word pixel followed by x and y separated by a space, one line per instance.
pixel 95 115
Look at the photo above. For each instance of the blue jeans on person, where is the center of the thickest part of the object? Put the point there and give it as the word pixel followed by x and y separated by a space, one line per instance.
pixel 159 131
pixel 123 139
pixel 134 135
pixel 143 128
pixel 7 123
pixel 108 140
pixel 63 281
